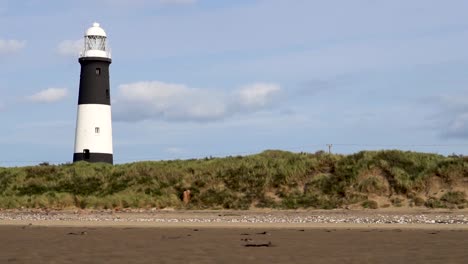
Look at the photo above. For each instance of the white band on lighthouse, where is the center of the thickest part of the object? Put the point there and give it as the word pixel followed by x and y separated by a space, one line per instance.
pixel 94 129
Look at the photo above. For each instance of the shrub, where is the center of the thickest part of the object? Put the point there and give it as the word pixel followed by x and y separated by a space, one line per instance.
pixel 433 202
pixel 452 168
pixel 372 184
pixel 371 204
pixel 418 201
pixel 398 202
pixel 457 198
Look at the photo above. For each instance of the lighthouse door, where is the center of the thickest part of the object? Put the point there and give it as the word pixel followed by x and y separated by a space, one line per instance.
pixel 86 154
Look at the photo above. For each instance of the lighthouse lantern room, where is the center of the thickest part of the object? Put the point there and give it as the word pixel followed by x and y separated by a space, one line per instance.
pixel 93 137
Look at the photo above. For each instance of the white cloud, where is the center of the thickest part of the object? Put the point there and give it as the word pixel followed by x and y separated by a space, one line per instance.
pixel 41 124
pixel 70 47
pixel 178 102
pixel 49 95
pixel 258 94
pixel 11 45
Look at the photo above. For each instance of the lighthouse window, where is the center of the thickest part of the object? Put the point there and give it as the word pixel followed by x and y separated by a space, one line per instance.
pixel 107 94
pixel 96 130
pixel 98 71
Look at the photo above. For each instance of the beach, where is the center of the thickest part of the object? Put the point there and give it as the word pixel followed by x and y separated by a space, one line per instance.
pixel 223 237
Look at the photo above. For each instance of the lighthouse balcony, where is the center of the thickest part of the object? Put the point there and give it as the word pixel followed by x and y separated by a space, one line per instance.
pixel 96 53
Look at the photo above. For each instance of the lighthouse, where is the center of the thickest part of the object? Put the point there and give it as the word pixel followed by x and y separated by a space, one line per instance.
pixel 93 137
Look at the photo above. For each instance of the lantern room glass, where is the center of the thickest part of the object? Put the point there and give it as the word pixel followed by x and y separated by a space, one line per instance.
pixel 95 43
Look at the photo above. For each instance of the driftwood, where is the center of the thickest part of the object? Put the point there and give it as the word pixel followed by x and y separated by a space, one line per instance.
pixel 258 245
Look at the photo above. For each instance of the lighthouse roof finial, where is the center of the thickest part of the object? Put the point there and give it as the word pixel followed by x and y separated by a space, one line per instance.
pixel 95 30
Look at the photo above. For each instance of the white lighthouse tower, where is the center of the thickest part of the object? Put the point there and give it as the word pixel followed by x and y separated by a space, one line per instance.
pixel 93 138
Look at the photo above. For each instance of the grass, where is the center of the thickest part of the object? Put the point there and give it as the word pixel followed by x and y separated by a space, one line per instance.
pixel 271 179
pixel 371 204
pixel 456 198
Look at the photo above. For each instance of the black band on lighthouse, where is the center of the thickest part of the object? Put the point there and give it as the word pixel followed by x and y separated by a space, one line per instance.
pixel 93 157
pixel 94 81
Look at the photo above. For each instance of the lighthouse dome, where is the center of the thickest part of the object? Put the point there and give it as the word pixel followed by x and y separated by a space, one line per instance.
pixel 95 30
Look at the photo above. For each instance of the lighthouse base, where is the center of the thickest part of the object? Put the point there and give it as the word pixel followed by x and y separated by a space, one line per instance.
pixel 94 157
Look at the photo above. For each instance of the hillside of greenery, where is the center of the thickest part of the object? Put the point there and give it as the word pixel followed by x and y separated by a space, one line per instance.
pixel 271 179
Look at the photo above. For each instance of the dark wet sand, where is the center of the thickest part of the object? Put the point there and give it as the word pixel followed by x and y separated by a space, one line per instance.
pixel 41 244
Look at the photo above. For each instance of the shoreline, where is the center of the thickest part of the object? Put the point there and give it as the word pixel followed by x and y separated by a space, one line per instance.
pixel 58 223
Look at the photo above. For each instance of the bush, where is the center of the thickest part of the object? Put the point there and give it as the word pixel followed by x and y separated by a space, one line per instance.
pixel 372 185
pixel 418 201
pixel 456 198
pixel 433 202
pixel 398 202
pixel 370 204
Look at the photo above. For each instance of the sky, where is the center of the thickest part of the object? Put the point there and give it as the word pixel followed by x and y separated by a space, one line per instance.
pixel 198 78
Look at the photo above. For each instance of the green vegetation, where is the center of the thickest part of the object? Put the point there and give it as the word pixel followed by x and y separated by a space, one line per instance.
pixel 370 204
pixel 418 201
pixel 271 179
pixel 397 202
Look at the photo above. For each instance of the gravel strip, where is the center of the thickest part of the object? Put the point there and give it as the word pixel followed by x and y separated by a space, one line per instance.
pixel 276 217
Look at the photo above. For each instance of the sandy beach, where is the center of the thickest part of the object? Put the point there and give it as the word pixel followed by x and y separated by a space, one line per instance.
pixel 222 237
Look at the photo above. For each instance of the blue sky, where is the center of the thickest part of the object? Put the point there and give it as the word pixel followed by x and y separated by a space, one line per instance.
pixel 194 78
